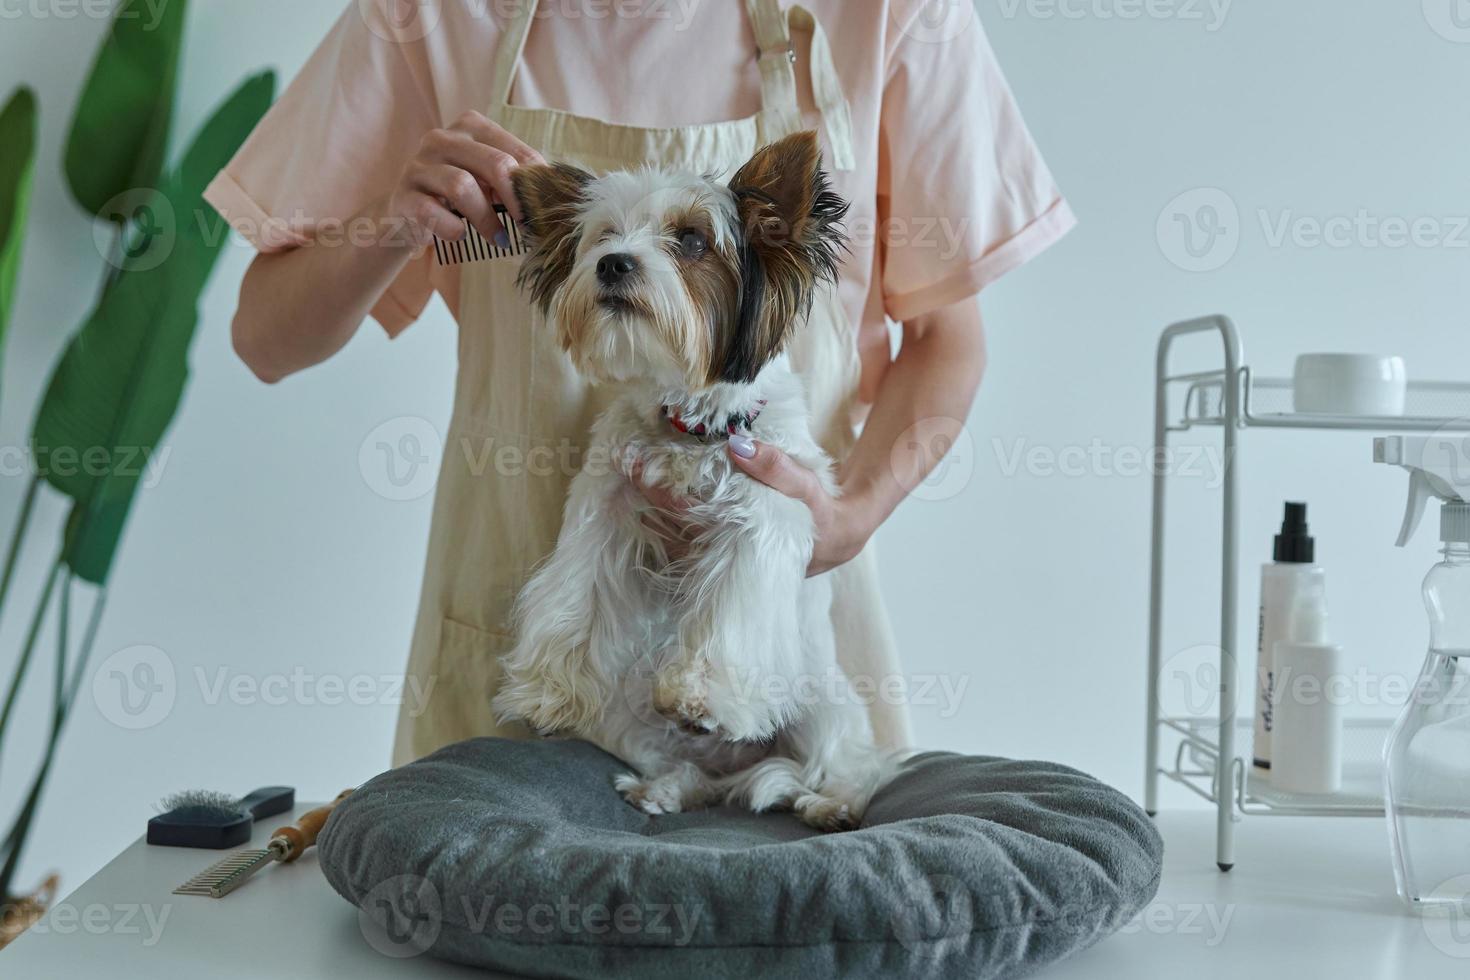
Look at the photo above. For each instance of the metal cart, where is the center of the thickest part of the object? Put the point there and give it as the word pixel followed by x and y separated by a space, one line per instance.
pixel 1206 760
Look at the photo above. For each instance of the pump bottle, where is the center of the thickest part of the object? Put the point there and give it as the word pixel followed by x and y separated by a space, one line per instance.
pixel 1292 586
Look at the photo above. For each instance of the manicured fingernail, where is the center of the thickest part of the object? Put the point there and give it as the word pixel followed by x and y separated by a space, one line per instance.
pixel 743 446
pixel 502 240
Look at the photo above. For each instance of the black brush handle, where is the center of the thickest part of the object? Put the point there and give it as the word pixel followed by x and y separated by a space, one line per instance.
pixel 269 801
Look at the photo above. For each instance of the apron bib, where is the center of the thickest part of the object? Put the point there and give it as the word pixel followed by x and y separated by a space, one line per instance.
pixel 521 414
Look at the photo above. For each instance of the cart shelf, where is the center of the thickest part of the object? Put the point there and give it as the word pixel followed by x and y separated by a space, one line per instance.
pixel 1196 761
pixel 1267 403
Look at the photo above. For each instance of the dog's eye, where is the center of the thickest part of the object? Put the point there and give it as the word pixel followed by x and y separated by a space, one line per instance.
pixel 692 243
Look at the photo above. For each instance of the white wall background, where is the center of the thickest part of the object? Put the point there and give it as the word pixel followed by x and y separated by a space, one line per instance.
pixel 264 552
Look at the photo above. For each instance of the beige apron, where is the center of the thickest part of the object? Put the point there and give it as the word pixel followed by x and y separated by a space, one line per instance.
pixel 521 414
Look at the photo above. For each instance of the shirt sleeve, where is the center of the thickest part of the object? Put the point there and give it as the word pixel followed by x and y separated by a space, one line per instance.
pixel 335 142
pixel 963 194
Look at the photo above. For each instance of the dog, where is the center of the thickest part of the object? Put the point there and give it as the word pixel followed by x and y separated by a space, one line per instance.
pixel 692 647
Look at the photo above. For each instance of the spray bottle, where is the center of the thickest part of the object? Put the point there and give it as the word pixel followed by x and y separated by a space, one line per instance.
pixel 1427 756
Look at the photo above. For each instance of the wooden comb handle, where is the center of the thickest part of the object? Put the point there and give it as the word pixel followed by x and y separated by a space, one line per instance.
pixel 303 833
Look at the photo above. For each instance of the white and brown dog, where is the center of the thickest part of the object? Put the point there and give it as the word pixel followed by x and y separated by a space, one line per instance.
pixel 707 665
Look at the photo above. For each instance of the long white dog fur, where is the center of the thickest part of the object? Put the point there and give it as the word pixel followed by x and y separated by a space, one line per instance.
pixel 692 645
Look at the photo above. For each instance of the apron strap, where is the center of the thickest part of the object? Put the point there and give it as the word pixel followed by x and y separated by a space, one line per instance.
pixel 780 112
pixel 512 45
pixel 827 90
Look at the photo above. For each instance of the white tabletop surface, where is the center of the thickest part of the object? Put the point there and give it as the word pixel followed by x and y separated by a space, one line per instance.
pixel 1308 898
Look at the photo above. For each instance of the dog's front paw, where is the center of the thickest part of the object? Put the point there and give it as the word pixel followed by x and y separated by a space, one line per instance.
pixel 546 702
pixel 518 702
pixel 827 813
pixel 702 700
pixel 653 796
pixel 681 694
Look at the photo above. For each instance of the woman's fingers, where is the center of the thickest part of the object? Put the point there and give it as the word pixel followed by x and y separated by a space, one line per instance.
pixel 664 499
pixel 487 168
pixel 466 169
pixel 765 463
pixel 482 130
pixel 776 470
pixel 667 519
pixel 659 496
pixel 491 153
pixel 460 190
pixel 428 216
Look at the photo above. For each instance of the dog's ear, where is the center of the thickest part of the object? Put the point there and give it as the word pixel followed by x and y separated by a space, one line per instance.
pixel 550 197
pixel 791 230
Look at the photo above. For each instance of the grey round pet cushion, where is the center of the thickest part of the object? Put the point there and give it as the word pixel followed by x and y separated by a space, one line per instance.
pixel 520 857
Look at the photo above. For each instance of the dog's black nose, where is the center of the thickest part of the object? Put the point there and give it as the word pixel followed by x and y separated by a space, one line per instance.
pixel 613 269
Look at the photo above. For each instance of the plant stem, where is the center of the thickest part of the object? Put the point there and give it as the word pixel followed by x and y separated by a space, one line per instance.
pixel 12 555
pixel 63 628
pixel 21 829
pixel 15 839
pixel 30 648
pixel 84 654
pixel 116 256
pixel 20 670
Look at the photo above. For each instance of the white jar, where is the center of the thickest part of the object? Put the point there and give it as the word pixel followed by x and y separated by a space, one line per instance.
pixel 1350 384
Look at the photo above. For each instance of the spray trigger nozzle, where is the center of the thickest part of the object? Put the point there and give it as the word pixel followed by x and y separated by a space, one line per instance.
pixel 1419 494
pixel 1439 468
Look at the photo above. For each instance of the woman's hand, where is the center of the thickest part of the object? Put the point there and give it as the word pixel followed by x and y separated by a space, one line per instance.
pixel 300 306
pixel 842 527
pixel 918 415
pixel 465 168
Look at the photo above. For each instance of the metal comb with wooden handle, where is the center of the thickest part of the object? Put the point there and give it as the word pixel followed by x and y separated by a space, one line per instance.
pixel 286 845
pixel 474 247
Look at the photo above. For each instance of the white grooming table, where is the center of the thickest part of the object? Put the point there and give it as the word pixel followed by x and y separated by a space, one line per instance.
pixel 1310 897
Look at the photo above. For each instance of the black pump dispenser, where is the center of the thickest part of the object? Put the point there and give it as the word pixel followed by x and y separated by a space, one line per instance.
pixel 1295 545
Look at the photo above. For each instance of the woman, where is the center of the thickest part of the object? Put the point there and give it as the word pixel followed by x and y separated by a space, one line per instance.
pixel 407 111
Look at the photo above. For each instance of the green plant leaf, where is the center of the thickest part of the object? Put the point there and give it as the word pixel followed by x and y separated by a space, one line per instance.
pixel 119 135
pixel 17 164
pixel 119 383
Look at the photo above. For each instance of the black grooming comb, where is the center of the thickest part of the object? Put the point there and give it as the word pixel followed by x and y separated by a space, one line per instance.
pixel 475 248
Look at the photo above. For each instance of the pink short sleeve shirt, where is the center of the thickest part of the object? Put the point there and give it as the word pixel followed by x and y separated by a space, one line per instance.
pixel 949 192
